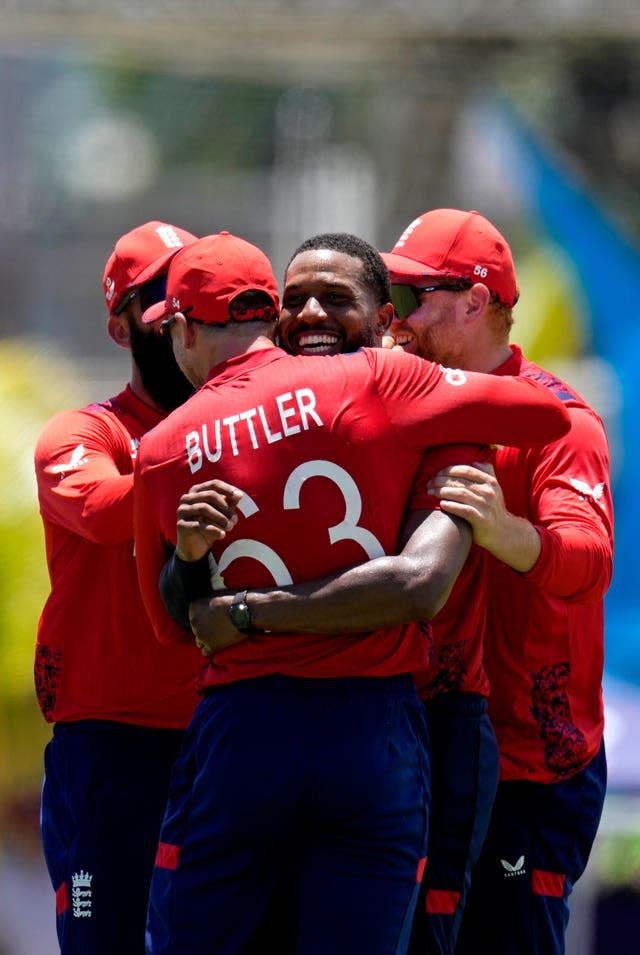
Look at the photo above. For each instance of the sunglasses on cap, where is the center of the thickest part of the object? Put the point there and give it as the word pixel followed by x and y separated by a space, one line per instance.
pixel 149 294
pixel 406 298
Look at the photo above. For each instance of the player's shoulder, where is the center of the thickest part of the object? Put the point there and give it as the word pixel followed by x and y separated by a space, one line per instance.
pixel 71 420
pixel 560 388
pixel 155 443
pixel 395 358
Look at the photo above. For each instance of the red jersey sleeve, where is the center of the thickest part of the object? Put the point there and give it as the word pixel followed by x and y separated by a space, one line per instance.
pixel 152 552
pixel 465 406
pixel 84 475
pixel 435 460
pixel 573 513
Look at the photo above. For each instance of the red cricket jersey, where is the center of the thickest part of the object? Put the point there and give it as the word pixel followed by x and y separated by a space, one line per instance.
pixel 545 638
pixel 96 655
pixel 325 451
pixel 458 630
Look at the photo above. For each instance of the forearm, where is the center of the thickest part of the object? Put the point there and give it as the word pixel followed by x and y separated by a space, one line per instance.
pixel 413 585
pixel 181 582
pixel 380 593
pixel 575 563
pixel 516 543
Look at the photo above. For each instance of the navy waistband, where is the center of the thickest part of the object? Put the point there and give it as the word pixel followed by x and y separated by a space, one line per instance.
pixel 398 683
pixel 457 703
pixel 111 728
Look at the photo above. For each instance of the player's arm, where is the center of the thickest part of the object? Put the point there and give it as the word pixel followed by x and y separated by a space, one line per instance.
pixel 573 513
pixel 567 547
pixel 474 493
pixel 386 591
pixel 205 514
pixel 151 550
pixel 82 463
pixel 431 405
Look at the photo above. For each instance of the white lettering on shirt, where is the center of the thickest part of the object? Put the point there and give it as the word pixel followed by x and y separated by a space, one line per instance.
pixel 290 414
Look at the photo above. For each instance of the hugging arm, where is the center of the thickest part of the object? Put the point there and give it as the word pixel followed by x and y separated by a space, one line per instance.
pixel 389 590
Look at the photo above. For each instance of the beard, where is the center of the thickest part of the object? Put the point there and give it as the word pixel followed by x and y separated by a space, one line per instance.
pixel 440 341
pixel 366 339
pixel 159 371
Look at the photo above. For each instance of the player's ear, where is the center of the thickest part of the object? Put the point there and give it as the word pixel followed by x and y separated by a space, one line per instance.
pixel 384 319
pixel 188 330
pixel 476 299
pixel 118 330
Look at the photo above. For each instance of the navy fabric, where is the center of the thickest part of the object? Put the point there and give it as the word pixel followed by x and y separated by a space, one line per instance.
pixel 537 847
pixel 323 783
pixel 104 795
pixel 464 767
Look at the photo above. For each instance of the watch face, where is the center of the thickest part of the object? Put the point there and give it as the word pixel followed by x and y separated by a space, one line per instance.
pixel 240 616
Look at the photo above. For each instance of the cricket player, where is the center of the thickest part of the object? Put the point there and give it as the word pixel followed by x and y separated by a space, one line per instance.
pixel 544 518
pixel 307 750
pixel 118 701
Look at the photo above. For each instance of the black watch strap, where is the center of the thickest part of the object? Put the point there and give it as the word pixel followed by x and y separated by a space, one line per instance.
pixel 240 614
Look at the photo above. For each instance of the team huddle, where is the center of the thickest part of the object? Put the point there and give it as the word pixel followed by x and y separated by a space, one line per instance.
pixel 324 645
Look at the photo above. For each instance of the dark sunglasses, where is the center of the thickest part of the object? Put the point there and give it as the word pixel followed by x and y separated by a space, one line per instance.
pixel 406 298
pixel 149 293
pixel 165 325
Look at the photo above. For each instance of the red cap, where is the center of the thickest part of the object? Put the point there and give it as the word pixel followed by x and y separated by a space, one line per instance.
pixel 204 279
pixel 458 244
pixel 139 256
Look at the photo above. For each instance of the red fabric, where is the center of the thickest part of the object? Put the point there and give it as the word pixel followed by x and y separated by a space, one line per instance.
pixel 315 444
pixel 442 901
pixel 206 277
pixel 458 630
pixel 96 656
pixel 547 883
pixel 139 256
pixel 167 856
pixel 421 867
pixel 451 243
pixel 62 898
pixel 545 635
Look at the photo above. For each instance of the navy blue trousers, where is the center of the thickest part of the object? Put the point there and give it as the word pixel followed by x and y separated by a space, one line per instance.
pixel 537 847
pixel 318 784
pixel 464 771
pixel 104 795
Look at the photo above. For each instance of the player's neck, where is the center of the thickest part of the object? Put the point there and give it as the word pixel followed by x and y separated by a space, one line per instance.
pixel 232 347
pixel 497 356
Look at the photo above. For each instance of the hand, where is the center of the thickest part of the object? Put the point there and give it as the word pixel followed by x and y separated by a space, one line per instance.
pixel 206 513
pixel 213 630
pixel 473 493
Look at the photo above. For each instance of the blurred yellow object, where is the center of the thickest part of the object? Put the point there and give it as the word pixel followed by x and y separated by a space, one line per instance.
pixel 35 382
pixel 551 317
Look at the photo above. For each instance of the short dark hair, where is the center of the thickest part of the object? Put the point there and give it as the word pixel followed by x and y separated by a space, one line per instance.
pixel 375 274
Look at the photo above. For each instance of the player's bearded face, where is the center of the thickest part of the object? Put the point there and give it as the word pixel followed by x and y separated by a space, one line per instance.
pixel 432 332
pixel 159 371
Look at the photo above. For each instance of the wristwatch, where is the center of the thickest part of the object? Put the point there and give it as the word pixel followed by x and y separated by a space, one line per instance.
pixel 240 614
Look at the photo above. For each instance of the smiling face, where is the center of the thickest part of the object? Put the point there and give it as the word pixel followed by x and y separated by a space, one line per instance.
pixel 327 308
pixel 435 330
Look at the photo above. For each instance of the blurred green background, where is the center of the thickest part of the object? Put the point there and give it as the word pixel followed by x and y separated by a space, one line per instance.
pixel 276 120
